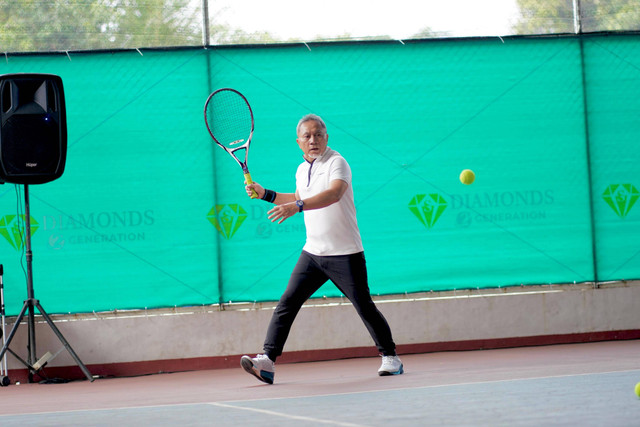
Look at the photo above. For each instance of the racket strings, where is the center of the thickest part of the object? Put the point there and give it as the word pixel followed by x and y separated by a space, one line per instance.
pixel 229 118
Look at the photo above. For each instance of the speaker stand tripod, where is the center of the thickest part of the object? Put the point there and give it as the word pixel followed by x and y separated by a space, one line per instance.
pixel 30 304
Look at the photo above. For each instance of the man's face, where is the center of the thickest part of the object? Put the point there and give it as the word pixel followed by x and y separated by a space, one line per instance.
pixel 312 139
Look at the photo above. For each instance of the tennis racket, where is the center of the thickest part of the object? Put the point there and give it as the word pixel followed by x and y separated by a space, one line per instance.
pixel 229 120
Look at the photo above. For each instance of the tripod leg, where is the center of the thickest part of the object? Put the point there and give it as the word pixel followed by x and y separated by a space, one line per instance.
pixel 13 332
pixel 64 342
pixel 24 362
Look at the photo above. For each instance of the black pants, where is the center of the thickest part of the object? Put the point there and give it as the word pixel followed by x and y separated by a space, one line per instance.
pixel 349 274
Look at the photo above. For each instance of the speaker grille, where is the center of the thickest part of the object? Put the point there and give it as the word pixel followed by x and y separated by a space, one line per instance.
pixel 28 139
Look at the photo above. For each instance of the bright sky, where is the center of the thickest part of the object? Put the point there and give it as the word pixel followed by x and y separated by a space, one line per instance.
pixel 396 18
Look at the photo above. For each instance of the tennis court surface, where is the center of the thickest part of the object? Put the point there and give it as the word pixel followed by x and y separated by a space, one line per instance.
pixel 576 384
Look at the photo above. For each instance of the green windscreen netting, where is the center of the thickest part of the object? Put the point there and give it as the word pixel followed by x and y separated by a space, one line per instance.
pixel 149 213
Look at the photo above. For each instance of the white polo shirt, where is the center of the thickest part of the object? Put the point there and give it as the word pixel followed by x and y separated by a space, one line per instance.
pixel 332 230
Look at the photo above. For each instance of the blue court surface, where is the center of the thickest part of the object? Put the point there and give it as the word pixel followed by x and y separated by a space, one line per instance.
pixel 573 385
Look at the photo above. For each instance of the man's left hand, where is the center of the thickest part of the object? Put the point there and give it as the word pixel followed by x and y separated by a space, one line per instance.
pixel 282 212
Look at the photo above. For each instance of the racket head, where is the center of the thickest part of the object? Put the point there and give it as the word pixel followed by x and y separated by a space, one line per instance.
pixel 229 118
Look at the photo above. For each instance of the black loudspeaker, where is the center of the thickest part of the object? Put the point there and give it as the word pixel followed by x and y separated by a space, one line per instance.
pixel 33 128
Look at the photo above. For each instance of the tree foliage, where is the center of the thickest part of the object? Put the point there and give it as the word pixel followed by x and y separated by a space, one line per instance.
pixel 557 16
pixel 59 25
pixel 63 25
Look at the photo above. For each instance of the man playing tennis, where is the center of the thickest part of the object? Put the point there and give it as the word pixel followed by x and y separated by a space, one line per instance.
pixel 333 249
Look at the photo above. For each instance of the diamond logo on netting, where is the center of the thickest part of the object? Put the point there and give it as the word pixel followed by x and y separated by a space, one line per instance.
pixel 428 208
pixel 227 219
pixel 11 229
pixel 621 198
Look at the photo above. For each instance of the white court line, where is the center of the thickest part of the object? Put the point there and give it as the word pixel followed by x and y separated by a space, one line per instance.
pixel 420 387
pixel 175 405
pixel 262 399
pixel 288 416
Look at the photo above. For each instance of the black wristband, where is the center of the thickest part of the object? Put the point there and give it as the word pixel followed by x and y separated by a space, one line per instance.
pixel 269 195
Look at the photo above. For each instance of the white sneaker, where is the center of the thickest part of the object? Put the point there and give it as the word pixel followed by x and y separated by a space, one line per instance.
pixel 260 367
pixel 391 365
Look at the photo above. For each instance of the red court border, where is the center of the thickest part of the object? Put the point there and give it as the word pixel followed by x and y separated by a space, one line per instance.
pixel 127 369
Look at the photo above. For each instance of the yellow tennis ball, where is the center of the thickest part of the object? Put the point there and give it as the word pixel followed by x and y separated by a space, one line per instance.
pixel 467 177
pixel 638 390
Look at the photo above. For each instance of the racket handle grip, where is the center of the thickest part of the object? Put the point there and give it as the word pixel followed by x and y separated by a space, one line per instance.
pixel 248 180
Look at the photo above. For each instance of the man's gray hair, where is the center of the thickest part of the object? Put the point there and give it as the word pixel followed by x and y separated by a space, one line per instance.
pixel 311 117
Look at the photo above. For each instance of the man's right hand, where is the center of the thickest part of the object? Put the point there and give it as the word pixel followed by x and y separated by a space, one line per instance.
pixel 255 187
